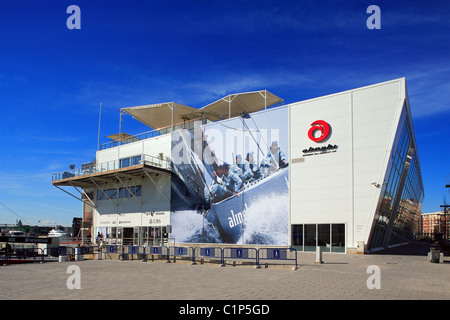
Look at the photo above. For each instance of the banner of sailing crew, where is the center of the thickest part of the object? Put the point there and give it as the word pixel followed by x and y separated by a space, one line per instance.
pixel 230 181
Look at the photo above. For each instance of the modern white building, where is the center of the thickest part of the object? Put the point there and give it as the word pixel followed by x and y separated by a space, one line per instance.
pixel 340 171
pixel 368 189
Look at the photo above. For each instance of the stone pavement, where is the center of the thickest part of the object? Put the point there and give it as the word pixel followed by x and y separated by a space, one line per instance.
pixel 341 276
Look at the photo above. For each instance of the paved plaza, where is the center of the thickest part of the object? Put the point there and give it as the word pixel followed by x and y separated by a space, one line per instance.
pixel 340 277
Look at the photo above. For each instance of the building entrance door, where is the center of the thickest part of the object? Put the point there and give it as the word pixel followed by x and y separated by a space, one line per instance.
pixel 127 237
pixel 156 235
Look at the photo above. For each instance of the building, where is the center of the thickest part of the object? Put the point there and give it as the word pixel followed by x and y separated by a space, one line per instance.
pixel 340 171
pixel 435 225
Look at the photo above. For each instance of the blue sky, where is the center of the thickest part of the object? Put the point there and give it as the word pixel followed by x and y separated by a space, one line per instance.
pixel 129 53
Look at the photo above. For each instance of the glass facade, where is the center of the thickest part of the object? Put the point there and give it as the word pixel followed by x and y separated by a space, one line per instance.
pixel 331 237
pixel 397 218
pixel 405 227
pixel 148 236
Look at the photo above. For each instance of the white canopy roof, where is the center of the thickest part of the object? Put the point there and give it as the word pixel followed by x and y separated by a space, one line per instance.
pixel 234 104
pixel 162 115
pixel 120 136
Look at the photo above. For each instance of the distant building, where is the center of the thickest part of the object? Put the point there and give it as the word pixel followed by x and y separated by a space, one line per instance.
pixel 435 225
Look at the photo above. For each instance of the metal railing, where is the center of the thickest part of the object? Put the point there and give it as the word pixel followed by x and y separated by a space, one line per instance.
pixel 146 242
pixel 145 253
pixel 278 254
pixel 21 254
pixel 113 165
pixel 152 133
pixel 212 254
pixel 234 253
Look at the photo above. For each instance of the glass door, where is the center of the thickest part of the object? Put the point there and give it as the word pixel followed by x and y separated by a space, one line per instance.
pixel 310 237
pixel 127 237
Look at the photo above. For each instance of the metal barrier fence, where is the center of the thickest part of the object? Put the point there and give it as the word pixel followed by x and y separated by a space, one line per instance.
pixel 20 254
pixel 277 254
pixel 212 253
pixel 28 254
pixel 187 252
pixel 240 253
pixel 128 251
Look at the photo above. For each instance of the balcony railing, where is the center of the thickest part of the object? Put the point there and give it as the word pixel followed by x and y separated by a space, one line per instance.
pixel 87 169
pixel 151 134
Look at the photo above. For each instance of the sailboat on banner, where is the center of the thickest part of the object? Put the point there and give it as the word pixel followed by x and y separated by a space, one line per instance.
pixel 223 192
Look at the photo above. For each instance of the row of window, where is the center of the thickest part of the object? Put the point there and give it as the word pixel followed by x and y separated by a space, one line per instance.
pixel 121 192
pixel 331 237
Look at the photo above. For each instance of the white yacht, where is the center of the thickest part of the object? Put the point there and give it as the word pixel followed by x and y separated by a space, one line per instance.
pixel 57 233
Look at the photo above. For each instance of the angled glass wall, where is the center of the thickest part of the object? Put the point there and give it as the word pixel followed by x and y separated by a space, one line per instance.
pixel 397 218
pixel 405 226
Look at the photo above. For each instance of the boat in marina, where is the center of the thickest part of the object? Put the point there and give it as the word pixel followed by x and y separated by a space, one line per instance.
pixel 56 233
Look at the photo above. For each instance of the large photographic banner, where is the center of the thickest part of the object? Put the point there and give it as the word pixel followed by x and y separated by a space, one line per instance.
pixel 230 180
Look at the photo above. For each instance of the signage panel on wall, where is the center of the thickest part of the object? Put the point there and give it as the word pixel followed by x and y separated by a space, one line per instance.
pixel 146 219
pixel 230 181
pixel 320 131
pixel 321 126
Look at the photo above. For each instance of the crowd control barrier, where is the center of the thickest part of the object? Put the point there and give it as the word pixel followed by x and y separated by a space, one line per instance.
pixel 182 252
pixel 207 253
pixel 128 252
pixel 156 251
pixel 240 254
pixel 210 253
pixel 111 248
pixel 278 254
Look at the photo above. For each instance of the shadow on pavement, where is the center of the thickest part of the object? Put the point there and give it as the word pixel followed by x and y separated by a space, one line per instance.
pixel 410 249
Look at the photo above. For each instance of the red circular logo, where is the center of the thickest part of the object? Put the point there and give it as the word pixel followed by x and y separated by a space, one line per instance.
pixel 324 130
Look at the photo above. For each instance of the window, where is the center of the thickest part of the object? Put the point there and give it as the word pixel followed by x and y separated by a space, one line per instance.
pixel 130 192
pixel 323 239
pixel 297 235
pixel 331 237
pixel 338 237
pixel 310 237
pixel 100 195
pixel 121 192
pixel 108 193
pixel 111 193
pixel 136 190
pixel 130 161
pixel 125 162
pixel 135 160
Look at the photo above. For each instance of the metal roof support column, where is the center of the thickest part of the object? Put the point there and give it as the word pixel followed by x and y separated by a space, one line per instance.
pixel 83 193
pixel 128 190
pixel 73 196
pixel 157 186
pixel 229 106
pixel 117 206
pixel 172 115
pixel 265 99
